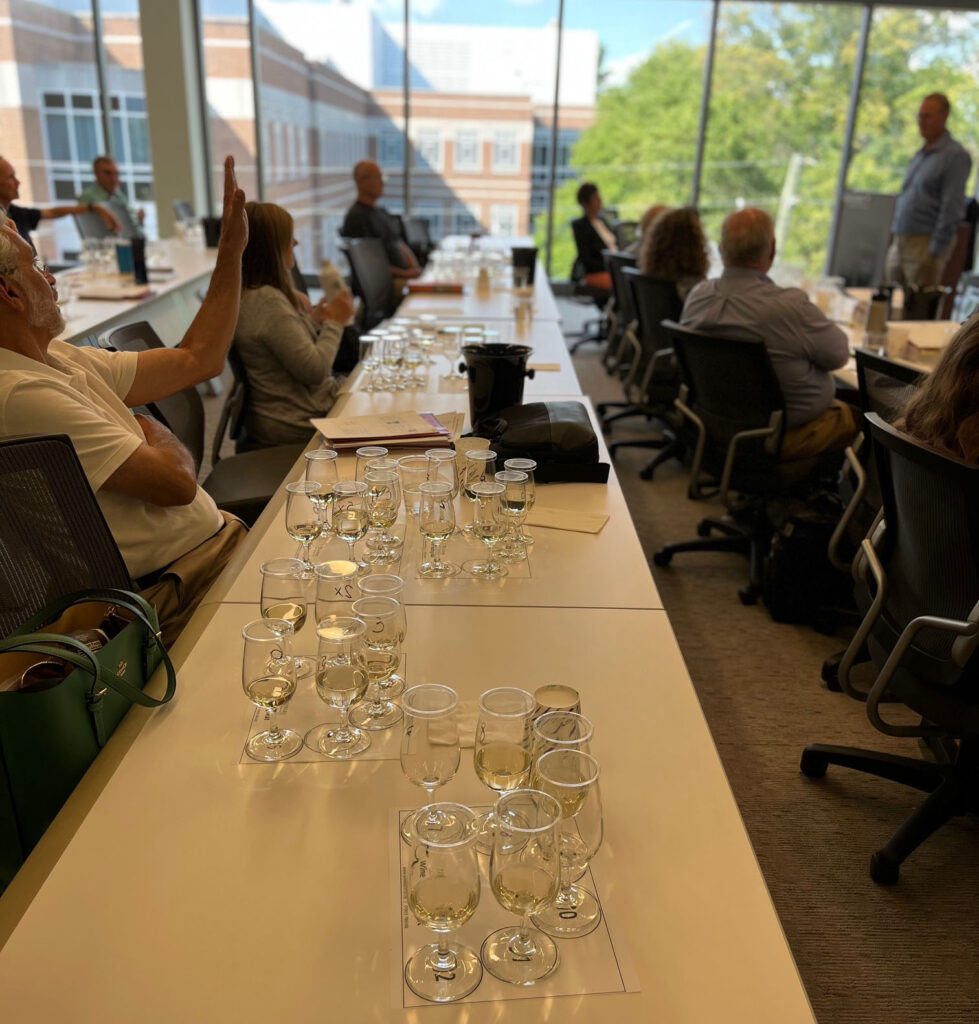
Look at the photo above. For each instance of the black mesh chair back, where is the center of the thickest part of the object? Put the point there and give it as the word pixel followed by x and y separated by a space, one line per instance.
pixel 616 262
pixel 371 278
pixel 417 236
pixel 53 537
pixel 91 225
pixel 183 210
pixel 924 303
pixel 183 411
pixel 525 256
pixel 655 300
pixel 626 232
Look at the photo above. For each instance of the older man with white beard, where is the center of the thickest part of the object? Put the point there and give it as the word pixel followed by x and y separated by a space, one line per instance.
pixel 173 538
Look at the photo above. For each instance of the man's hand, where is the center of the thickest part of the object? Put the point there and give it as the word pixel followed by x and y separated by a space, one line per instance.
pixel 234 222
pixel 339 310
pixel 109 219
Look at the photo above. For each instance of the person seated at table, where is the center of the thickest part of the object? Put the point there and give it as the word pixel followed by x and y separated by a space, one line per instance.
pixel 106 189
pixel 944 411
pixel 592 234
pixel 365 219
pixel 286 345
pixel 26 218
pixel 675 249
pixel 172 536
pixel 805 347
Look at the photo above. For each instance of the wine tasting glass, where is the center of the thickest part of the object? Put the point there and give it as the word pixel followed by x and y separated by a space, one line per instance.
pixel 413 470
pixel 335 591
pixel 283 597
pixel 349 515
pixel 430 755
pixel 366 455
pixel 388 585
pixel 480 465
pixel 443 467
pixel 443 893
pixel 383 638
pixel 341 680
pixel 525 466
pixel 268 677
pixel 560 730
pixel 515 509
pixel 490 526
pixel 524 874
pixel 321 468
pixel 571 777
pixel 436 523
pixel 302 518
pixel 383 505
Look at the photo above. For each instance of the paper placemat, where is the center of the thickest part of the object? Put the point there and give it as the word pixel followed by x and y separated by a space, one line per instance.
pixel 598 963
pixel 565 519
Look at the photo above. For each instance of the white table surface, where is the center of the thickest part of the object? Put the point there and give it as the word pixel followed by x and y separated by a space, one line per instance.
pixel 496 304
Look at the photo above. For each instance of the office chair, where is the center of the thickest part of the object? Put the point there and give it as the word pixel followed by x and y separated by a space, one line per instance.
pixel 182 210
pixel 626 346
pixel 924 303
pixel 241 484
pixel 371 279
pixel 91 225
pixel 54 539
pixel 733 399
pixel 417 237
pixel 919 585
pixel 626 232
pixel 657 375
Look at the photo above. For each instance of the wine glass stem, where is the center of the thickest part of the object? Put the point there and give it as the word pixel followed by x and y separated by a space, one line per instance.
pixel 351 543
pixel 343 727
pixel 446 958
pixel 274 737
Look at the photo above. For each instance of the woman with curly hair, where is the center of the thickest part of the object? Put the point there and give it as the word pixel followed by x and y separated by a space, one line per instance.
pixel 674 249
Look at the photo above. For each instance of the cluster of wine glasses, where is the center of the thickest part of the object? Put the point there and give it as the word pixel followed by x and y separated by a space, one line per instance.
pixel 360 632
pixel 543 832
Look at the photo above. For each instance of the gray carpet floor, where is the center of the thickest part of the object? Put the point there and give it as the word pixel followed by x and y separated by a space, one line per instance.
pixel 866 954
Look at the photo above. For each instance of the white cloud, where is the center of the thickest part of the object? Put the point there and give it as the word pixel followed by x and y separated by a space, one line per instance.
pixel 620 68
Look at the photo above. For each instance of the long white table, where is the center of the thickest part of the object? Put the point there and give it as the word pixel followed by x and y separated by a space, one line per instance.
pixel 199 888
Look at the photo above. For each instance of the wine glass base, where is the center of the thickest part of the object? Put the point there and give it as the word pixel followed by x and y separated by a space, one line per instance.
pixel 438 571
pixel 392 541
pixel 505 960
pixel 329 740
pixel 259 750
pixel 390 715
pixel 385 556
pixel 585 916
pixel 526 539
pixel 518 553
pixel 484 826
pixel 305 666
pixel 393 687
pixel 439 981
pixel 447 829
pixel 483 571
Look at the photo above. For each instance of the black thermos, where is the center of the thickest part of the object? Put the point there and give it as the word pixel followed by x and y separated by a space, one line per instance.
pixel 139 261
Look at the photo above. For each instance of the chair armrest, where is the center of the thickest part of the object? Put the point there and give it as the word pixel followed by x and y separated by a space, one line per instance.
pixel 848 513
pixel 694 490
pixel 732 450
pixel 873 612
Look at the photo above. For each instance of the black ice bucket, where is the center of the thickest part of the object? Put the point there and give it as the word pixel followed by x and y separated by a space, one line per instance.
pixel 496 374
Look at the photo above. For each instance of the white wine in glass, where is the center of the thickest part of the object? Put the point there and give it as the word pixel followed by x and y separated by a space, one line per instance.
pixel 268 677
pixel 502 765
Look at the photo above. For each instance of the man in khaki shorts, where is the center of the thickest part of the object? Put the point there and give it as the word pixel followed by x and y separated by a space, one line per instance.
pixel 172 536
pixel 932 202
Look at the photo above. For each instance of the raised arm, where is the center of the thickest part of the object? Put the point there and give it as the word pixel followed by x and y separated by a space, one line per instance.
pixel 204 348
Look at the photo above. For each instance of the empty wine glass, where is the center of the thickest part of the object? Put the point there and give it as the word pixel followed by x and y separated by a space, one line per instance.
pixel 430 755
pixel 479 466
pixel 490 526
pixel 335 591
pixel 443 467
pixel 383 505
pixel 365 455
pixel 413 470
pixel 571 777
pixel 524 875
pixel 436 524
pixel 525 466
pixel 321 468
pixel 268 677
pixel 443 893
pixel 515 509
pixel 341 680
pixel 349 516
pixel 302 518
pixel 383 638
pixel 560 730
pixel 283 597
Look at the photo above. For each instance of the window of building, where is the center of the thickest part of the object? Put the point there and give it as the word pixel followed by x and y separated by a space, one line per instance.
pixel 503 219
pixel 467 152
pixel 428 152
pixel 505 152
pixel 391 152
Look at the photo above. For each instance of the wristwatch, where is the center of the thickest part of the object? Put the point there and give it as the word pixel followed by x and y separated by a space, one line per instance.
pixel 91 207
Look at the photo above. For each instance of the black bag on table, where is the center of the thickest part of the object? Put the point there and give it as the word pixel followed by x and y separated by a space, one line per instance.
pixel 558 436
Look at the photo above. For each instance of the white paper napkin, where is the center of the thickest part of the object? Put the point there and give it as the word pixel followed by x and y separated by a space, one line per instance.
pixel 564 519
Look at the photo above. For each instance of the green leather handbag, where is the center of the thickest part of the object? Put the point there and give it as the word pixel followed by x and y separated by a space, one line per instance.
pixel 49 737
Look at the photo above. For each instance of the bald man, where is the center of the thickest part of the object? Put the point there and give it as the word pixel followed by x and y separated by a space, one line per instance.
pixel 365 219
pixel 804 346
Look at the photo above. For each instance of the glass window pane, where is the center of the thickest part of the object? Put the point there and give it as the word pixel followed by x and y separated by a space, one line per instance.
pixel 56 127
pixel 88 138
pixel 119 138
pixel 777 116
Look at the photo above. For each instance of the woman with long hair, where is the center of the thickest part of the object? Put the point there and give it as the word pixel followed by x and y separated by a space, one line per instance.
pixel 674 249
pixel 286 345
pixel 944 411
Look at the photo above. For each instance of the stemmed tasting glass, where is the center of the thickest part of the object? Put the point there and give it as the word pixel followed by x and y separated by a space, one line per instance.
pixel 383 639
pixel 489 526
pixel 515 509
pixel 443 467
pixel 480 465
pixel 321 468
pixel 383 505
pixel 335 591
pixel 394 346
pixel 525 466
pixel 302 518
pixel 503 746
pixel 430 755
pixel 390 540
pixel 559 730
pixel 341 680
pixel 571 777
pixel 268 677
pixel 283 598
pixel 443 893
pixel 413 358
pixel 388 585
pixel 524 873
pixel 436 523
pixel 413 470
pixel 452 347
pixel 349 515
pixel 365 456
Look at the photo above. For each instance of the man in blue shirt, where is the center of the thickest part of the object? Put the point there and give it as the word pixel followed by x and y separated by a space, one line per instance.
pixel 932 201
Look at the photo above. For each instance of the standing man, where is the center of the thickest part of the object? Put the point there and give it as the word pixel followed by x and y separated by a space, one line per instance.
pixel 27 218
pixel 932 201
pixel 106 189
pixel 365 219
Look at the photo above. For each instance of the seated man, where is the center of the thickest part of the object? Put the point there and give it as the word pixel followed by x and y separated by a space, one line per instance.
pixel 804 346
pixel 106 189
pixel 171 535
pixel 365 219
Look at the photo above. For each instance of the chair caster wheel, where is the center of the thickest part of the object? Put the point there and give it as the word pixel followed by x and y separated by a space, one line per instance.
pixel 831 673
pixel 662 557
pixel 646 474
pixel 748 595
pixel 703 529
pixel 883 869
pixel 812 765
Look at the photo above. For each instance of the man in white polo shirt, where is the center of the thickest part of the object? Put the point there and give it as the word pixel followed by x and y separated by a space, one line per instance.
pixel 173 538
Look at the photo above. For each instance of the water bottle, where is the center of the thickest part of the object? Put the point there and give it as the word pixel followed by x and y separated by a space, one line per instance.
pixel 875 329
pixel 139 261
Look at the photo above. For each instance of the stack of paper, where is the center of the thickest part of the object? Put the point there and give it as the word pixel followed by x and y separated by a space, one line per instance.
pixel 391 430
pixel 114 292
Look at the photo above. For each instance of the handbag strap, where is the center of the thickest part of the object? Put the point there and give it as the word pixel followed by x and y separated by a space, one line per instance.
pixel 111 595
